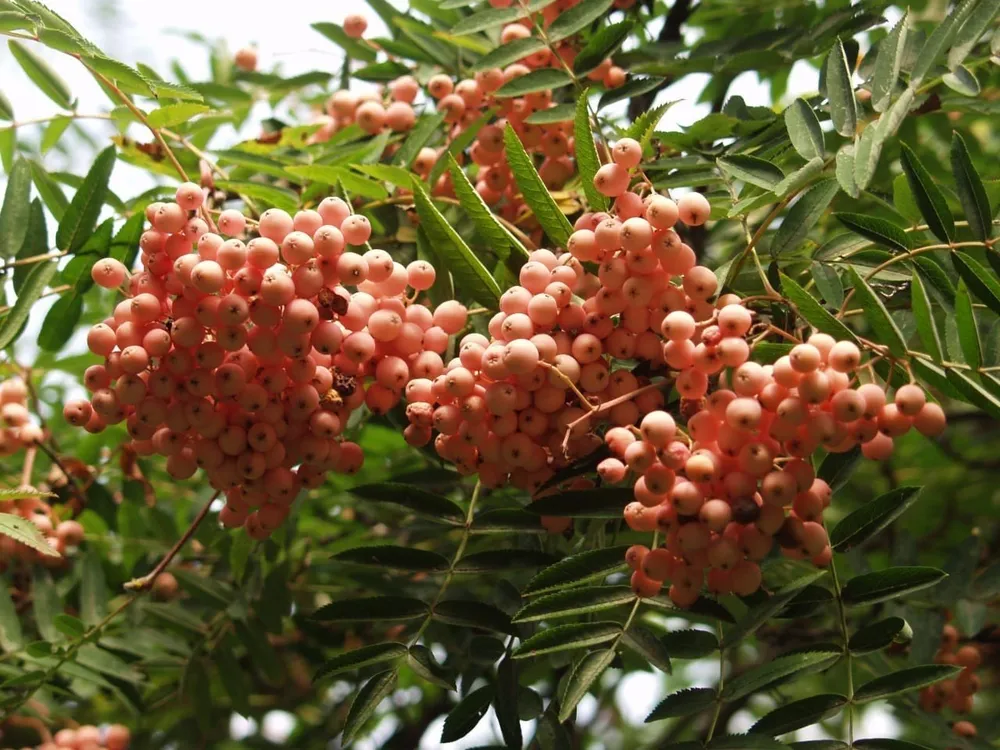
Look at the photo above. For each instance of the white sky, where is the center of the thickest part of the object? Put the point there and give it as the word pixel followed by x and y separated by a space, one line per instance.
pixel 135 31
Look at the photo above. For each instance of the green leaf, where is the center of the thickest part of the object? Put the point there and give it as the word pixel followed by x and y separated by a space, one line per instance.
pixel 53 133
pixel 15 21
pixel 799 714
pixel 878 635
pixel 845 170
pixel 386 173
pixel 971 192
pixel 11 636
pixel 491 17
pixel 923 316
pixel 69 626
pixel 876 314
pixel 506 520
pixel 577 18
pixel 963 81
pixel 634 86
pixel 421 660
pixel 472 614
pixel 46 605
pixel 776 670
pixel 840 92
pixel 871 518
pixel 752 169
pixel 129 80
pixel 502 559
pixel 761 613
pixel 683 703
pixel 828 283
pixel 175 114
pixel 46 79
pixel 567 637
pixel 49 191
pixel 24 531
pixel 813 312
pixel 93 589
pixel 575 602
pixel 968 329
pixel 508 53
pixel 558 113
pixel 939 40
pixel 507 689
pixel 928 196
pixel 601 45
pixel 371 609
pixel 883 585
pixel 644 643
pixel 587 160
pixel 580 680
pixel 464 716
pixel 6 109
pixel 803 216
pixel 534 192
pixel 81 216
pixel 231 675
pixel 543 79
pixel 391 556
pixel 911 678
pixel 468 271
pixel 603 502
pixel 744 742
pixel 60 322
pixel 349 661
pixel 366 701
pixel 422 132
pixel 461 142
pixel 496 234
pixel 418 500
pixel 879 231
pixel 690 643
pixel 799 178
pixel 979 279
pixel 968 34
pixel 890 56
pixel 381 72
pixel 584 566
pixel 16 208
pixel 273 196
pixel 804 130
pixel 354 48
pixel 973 392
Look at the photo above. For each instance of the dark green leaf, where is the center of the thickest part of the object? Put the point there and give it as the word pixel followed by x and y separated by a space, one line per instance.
pixel 879 635
pixel 508 53
pixel 460 142
pixel 577 18
pixel 464 716
pixel 776 670
pixel 971 192
pixel 969 33
pixel 883 585
pixel 16 208
pixel 231 675
pixel 803 216
pixel 764 611
pixel 422 132
pixel 939 40
pixel 879 231
pixel 890 56
pixel 840 92
pixel 798 714
pixel 421 661
pixel 468 271
pixel 35 283
pixel 973 392
pixel 93 589
pixel 683 703
pixel 534 192
pixel 390 556
pixel 603 502
pixel 928 196
pixel 371 609
pixel 744 742
pixel 472 614
pixel 349 661
pixel 506 520
pixel 46 79
pixel 876 314
pixel 11 636
pixel 828 283
pixel 567 637
pixel 418 500
pixel 502 559
pixel 367 700
pixel 600 45
pixel 584 674
pixel 923 315
pixel 587 160
pixel 543 79
pixel 634 86
pixel 753 170
pixel 81 216
pixel 979 279
pixel 507 690
pixel 813 312
pixel 845 170
pixel 60 322
pixel 575 602
pixel 645 643
pixel 871 518
pixel 552 115
pixel 690 644
pixel 903 681
pixel 577 568
pixel 881 743
pixel 804 130
pixel 46 605
pixel 381 72
pixel 968 329
pixel 497 235
pixel 491 17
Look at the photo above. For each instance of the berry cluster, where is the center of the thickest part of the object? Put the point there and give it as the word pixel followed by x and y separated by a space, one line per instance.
pixel 957 694
pixel 18 431
pixel 89 737
pixel 247 359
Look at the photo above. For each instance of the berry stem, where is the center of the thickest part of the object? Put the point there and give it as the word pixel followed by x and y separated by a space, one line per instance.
pixel 845 634
pixel 717 711
pixel 146 582
pixel 29 465
pixel 584 401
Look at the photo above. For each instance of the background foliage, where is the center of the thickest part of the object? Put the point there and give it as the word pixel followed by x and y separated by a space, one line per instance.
pixel 874 197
